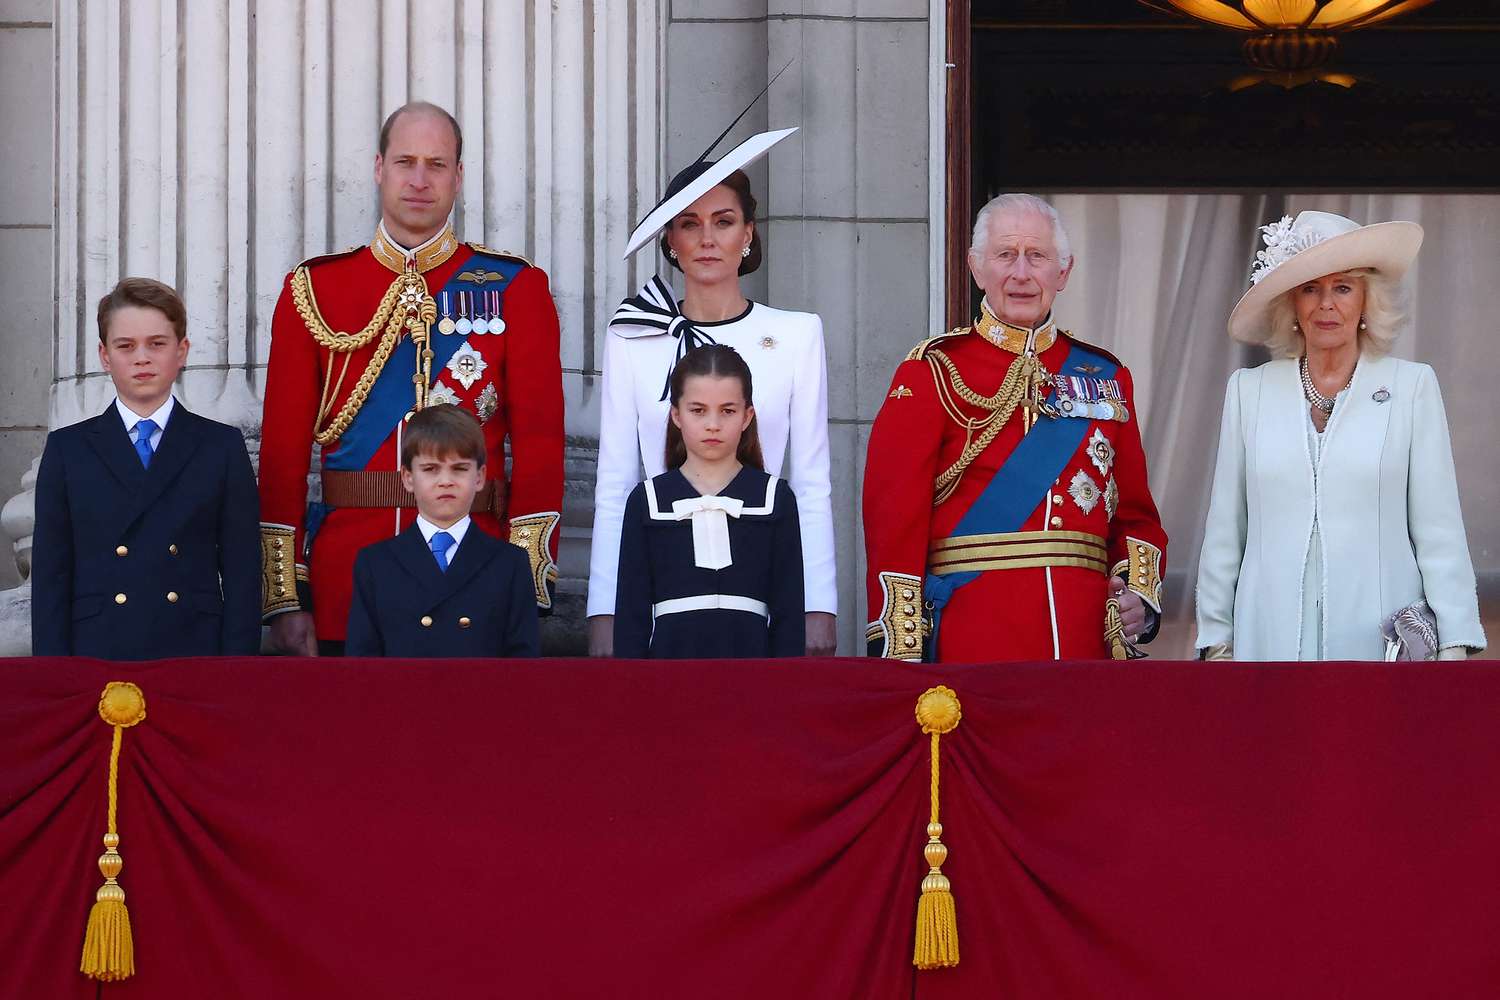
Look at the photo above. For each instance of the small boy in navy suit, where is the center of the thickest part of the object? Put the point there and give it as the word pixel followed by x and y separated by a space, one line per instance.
pixel 147 540
pixel 443 587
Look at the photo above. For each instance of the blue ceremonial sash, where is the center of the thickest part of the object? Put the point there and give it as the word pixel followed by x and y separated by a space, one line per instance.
pixel 1020 482
pixel 391 396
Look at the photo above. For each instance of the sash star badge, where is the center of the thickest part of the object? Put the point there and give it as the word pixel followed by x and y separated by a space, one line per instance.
pixel 1111 498
pixel 466 365
pixel 1101 452
pixel 1085 492
pixel 440 394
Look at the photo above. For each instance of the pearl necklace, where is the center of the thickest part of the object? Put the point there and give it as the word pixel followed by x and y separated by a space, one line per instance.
pixel 1312 395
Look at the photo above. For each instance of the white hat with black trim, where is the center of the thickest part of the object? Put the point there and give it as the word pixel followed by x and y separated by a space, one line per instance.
pixel 704 175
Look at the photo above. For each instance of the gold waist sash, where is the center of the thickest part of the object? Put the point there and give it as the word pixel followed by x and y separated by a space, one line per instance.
pixel 1018 550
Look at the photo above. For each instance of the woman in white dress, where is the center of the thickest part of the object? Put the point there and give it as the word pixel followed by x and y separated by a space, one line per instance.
pixel 708 232
pixel 1335 501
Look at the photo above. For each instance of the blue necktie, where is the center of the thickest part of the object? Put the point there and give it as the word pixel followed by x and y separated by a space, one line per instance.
pixel 143 431
pixel 440 543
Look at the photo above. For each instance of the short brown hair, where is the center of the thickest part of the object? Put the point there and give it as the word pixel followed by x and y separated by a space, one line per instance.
pixel 143 293
pixel 426 107
pixel 739 183
pixel 442 430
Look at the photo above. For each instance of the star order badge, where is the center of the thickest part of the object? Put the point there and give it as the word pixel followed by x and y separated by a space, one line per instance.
pixel 440 394
pixel 1085 492
pixel 466 365
pixel 1111 498
pixel 1101 452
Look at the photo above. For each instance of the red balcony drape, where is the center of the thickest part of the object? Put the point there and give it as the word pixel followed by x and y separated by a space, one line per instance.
pixel 559 829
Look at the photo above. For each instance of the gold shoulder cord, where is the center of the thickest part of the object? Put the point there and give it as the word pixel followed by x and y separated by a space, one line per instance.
pixel 410 292
pixel 1023 373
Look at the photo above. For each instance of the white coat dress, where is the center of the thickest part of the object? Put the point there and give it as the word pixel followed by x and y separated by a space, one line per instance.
pixel 1386 503
pixel 784 351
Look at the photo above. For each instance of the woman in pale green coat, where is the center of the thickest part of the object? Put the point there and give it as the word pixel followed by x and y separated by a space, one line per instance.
pixel 1335 502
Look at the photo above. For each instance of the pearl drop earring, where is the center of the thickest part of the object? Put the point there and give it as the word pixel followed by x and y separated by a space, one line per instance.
pixel 1296 327
pixel 1362 325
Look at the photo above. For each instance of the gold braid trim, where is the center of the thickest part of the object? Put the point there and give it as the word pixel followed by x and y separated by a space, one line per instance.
pixel 279 571
pixel 325 335
pixel 409 291
pixel 532 534
pixel 1023 373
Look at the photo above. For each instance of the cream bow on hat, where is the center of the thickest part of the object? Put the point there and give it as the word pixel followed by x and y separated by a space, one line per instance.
pixel 1312 245
pixel 710 517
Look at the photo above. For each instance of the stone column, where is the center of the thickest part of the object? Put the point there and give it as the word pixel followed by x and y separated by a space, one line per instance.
pixel 847 201
pixel 215 144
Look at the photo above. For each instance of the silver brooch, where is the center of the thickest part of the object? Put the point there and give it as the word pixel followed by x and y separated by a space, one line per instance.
pixel 769 343
pixel 1381 395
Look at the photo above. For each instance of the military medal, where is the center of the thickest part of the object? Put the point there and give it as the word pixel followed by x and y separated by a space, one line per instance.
pixel 497 325
pixel 446 325
pixel 464 324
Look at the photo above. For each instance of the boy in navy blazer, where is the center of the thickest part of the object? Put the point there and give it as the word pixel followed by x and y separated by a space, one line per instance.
pixel 443 587
pixel 147 539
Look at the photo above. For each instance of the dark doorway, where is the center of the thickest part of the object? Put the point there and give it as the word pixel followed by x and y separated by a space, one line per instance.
pixel 1084 95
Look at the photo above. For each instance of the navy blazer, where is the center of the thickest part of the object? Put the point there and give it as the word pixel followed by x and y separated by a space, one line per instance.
pixel 484 605
pixel 131 563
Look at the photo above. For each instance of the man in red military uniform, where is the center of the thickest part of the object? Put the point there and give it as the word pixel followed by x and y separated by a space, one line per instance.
pixel 1006 510
pixel 364 337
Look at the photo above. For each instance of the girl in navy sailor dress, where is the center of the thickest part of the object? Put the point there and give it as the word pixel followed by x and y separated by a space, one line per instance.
pixel 710 550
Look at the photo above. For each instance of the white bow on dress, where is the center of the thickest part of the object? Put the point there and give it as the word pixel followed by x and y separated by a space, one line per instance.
pixel 710 516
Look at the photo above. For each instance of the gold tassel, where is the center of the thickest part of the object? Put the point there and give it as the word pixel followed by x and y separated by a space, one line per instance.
pixel 936 947
pixel 1114 630
pixel 108 948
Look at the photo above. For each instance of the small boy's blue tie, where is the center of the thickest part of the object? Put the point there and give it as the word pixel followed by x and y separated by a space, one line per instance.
pixel 143 431
pixel 440 543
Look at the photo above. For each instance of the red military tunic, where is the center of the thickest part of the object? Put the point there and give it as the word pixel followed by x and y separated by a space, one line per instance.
pixel 1041 587
pixel 325 382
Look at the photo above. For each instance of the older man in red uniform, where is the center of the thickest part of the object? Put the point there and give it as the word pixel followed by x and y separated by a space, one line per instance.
pixel 364 337
pixel 1007 514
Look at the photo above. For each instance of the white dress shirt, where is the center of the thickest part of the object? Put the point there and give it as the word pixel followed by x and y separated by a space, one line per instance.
pixel 456 530
pixel 784 351
pixel 159 417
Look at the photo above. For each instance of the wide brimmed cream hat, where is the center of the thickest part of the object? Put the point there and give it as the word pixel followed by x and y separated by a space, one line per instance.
pixel 1307 248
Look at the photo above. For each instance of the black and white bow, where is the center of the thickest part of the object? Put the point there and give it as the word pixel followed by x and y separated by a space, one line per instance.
pixel 654 308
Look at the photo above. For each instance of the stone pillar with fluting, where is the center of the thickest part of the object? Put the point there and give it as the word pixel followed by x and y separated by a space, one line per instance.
pixel 214 145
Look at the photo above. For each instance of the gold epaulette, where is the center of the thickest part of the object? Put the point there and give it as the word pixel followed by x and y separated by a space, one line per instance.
pixel 1092 347
pixel 334 255
pixel 920 351
pixel 504 254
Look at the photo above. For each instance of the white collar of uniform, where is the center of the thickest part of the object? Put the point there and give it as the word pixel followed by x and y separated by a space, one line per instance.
pixel 131 418
pixel 429 529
